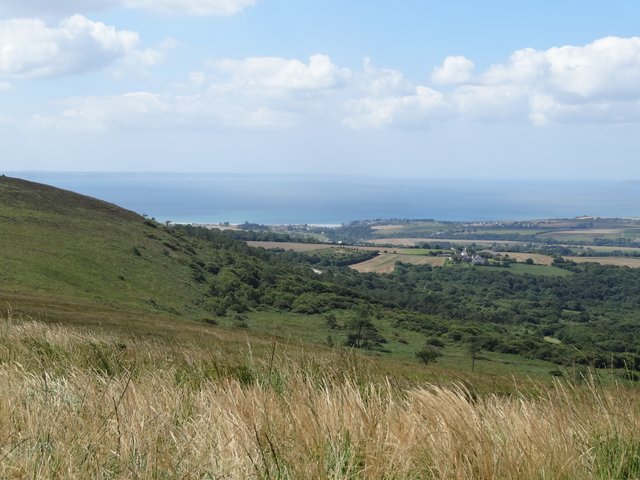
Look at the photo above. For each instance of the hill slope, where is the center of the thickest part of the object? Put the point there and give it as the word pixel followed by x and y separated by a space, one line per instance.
pixel 58 245
pixel 62 252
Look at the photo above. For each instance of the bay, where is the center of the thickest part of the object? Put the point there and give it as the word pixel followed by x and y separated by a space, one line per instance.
pixel 296 199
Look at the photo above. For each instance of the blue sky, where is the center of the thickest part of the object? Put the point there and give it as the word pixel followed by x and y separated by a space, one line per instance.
pixel 434 89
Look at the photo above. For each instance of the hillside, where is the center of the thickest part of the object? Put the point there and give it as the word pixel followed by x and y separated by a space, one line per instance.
pixel 67 250
pixel 104 405
pixel 70 258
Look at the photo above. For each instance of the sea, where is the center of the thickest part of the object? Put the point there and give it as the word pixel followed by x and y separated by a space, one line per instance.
pixel 209 198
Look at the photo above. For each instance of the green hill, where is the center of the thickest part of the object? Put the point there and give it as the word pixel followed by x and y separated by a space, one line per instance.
pixel 58 247
pixel 68 256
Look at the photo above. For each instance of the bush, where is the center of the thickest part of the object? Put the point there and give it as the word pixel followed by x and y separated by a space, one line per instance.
pixel 436 342
pixel 428 354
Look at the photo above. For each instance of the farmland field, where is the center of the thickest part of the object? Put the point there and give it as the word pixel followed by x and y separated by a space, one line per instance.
pixel 413 241
pixel 588 235
pixel 309 247
pixel 411 228
pixel 605 248
pixel 617 261
pixel 538 258
pixel 386 262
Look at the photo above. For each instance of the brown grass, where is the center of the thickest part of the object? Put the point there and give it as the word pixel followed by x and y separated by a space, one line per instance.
pixel 386 262
pixel 618 261
pixel 387 227
pixel 595 232
pixel 165 411
pixel 538 258
pixel 611 248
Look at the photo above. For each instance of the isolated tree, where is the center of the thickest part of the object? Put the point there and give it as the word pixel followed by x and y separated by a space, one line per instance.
pixel 361 332
pixel 473 347
pixel 428 354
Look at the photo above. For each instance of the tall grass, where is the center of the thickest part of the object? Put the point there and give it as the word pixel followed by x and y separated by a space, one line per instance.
pixel 77 404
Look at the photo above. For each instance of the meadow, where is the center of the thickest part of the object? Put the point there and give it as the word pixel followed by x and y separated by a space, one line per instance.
pixel 386 262
pixel 617 261
pixel 80 403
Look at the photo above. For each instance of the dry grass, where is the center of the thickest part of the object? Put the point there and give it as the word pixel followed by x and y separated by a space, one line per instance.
pixel 386 262
pixel 618 261
pixel 592 232
pixel 604 248
pixel 387 229
pixel 80 405
pixel 538 258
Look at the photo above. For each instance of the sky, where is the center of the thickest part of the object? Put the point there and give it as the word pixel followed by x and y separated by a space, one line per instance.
pixel 545 89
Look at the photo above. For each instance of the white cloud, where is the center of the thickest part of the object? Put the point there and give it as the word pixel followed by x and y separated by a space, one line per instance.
pixel 262 92
pixel 258 92
pixel 419 108
pixel 148 111
pixel 31 49
pixel 381 97
pixel 608 68
pixel 380 82
pixel 454 70
pixel 63 8
pixel 139 61
pixel 599 82
pixel 281 74
pixel 490 103
pixel 5 86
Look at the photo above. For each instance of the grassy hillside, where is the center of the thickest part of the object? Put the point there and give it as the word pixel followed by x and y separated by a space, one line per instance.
pixel 102 405
pixel 58 246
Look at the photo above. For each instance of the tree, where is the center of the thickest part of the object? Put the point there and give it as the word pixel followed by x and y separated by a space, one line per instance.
pixel 428 354
pixel 331 321
pixel 361 332
pixel 474 348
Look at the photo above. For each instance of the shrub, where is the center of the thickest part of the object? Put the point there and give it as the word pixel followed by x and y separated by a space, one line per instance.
pixel 428 354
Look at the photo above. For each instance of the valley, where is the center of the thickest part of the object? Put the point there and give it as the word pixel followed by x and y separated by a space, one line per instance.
pixel 100 299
